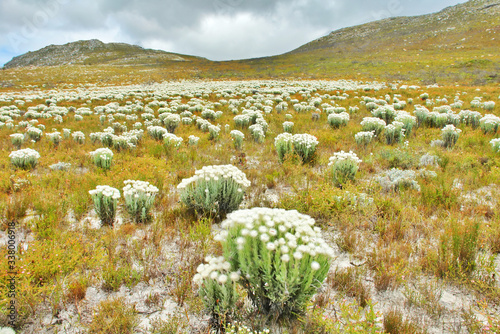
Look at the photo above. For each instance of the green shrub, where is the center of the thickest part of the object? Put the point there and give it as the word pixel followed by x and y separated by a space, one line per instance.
pixel 344 166
pixel 105 200
pixel 139 198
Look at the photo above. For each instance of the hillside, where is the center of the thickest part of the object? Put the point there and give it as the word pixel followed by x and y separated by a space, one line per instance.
pixel 95 52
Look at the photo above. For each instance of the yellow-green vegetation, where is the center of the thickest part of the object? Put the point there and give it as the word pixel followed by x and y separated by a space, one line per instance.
pixel 414 222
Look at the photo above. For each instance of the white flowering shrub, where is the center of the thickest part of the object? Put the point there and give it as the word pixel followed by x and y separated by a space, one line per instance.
pixel 337 120
pixel 394 133
pixel 17 139
pixel 288 126
pixel 489 105
pixel 54 137
pixel 237 328
pixel 429 160
pixel 139 198
pixel 25 159
pixel 102 158
pixel 450 135
pixel 241 121
pixel 283 144
pixel 489 123
pixel 171 141
pixel 344 166
pixel 78 137
pixel 213 132
pixel 282 259
pixel 78 118
pixel 215 189
pixel 217 288
pixel 387 113
pixel 172 122
pixel 105 200
pixel 66 133
pixel 304 145
pixel 469 117
pixel 34 133
pixel 156 132
pixel 409 122
pixel 495 145
pixel 193 140
pixel 60 166
pixel 396 179
pixel 422 115
pixel 257 132
pixel 363 138
pixel 238 137
pixel 374 124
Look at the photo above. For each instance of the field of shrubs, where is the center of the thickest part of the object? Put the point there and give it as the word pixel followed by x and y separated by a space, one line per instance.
pixel 250 207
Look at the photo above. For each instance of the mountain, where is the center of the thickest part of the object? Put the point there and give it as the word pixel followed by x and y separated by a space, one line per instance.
pixel 473 24
pixel 92 52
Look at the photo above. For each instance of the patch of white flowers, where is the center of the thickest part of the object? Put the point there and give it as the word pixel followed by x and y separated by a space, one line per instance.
pixel 396 179
pixel 17 139
pixel 337 120
pixel 105 201
pixel 172 141
pixel 139 198
pixel 344 166
pixel 489 123
pixel 238 137
pixel 374 124
pixel 26 158
pixel 495 145
pixel 450 135
pixel 102 157
pixel 78 137
pixel 364 137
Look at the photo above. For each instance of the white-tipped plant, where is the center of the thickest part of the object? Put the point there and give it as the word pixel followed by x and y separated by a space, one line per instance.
pixel 344 166
pixel 25 159
pixel 217 288
pixel 241 121
pixel 257 132
pixel 495 145
pixel 397 179
pixel 281 257
pixel 34 133
pixel 172 122
pixel 66 133
pixel 489 105
pixel 394 133
pixel 469 117
pixel 102 158
pixel 78 137
pixel 214 190
pixel 387 113
pixel 409 122
pixel 374 124
pixel 363 138
pixel 337 120
pixel 139 199
pixel 489 123
pixel 238 137
pixel 283 144
pixel 304 145
pixel 213 132
pixel 171 141
pixel 17 139
pixel 156 132
pixel 288 126
pixel 450 135
pixel 193 140
pixel 54 137
pixel 105 201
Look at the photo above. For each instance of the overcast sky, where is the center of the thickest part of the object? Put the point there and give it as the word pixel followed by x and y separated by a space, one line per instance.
pixel 215 29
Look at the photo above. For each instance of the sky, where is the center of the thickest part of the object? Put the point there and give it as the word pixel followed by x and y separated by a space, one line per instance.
pixel 214 29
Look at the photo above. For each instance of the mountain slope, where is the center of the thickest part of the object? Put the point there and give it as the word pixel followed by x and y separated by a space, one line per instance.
pixel 95 52
pixel 473 24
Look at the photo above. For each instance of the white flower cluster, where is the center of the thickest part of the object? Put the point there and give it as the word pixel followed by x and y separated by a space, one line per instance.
pixel 305 140
pixel 429 160
pixel 79 137
pixel 396 179
pixel 156 132
pixel 495 145
pixel 102 157
pixel 373 124
pixel 489 123
pixel 172 140
pixel 286 232
pixel 217 269
pixel 470 117
pixel 364 137
pixel 17 139
pixel 236 134
pixel 105 191
pixel 25 158
pixel 54 137
pixel 34 133
pixel 139 198
pixel 336 120
pixel 208 173
pixel 451 128
pixel 193 140
pixel 342 156
pixel 288 126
